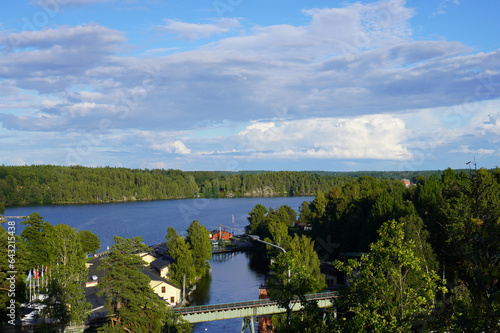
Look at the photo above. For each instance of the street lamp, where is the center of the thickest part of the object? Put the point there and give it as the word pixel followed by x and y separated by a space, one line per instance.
pixel 257 238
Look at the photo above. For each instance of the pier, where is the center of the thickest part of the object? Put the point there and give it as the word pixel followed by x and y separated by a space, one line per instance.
pixel 7 218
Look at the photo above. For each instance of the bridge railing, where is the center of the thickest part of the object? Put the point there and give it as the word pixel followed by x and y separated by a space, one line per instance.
pixel 245 304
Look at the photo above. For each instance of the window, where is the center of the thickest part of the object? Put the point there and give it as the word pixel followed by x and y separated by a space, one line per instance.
pixel 162 290
pixel 172 299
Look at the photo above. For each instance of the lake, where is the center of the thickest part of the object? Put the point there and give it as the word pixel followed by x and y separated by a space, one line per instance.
pixel 234 276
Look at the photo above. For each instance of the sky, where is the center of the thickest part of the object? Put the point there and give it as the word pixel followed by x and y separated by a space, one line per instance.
pixel 250 85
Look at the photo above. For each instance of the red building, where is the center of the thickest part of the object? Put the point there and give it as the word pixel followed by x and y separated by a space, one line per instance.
pixel 220 235
pixel 406 182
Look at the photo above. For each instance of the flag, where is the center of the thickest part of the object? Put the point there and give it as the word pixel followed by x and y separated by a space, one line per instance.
pixel 36 274
pixel 29 276
pixel 42 271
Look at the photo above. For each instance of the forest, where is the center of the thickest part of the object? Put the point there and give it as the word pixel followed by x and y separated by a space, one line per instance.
pixel 50 184
pixel 423 257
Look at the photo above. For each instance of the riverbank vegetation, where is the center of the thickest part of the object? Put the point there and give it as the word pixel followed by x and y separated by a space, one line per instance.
pixel 427 254
pixel 191 254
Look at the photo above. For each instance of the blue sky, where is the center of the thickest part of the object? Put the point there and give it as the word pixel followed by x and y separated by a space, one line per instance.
pixel 246 85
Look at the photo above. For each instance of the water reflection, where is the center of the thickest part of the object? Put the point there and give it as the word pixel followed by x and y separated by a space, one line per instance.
pixel 234 277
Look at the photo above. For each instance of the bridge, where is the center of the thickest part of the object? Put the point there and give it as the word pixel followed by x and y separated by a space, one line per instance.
pixel 247 310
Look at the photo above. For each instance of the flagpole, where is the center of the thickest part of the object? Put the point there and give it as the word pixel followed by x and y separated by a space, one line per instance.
pixel 29 276
pixel 38 278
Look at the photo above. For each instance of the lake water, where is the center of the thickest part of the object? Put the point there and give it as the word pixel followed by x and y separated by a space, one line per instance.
pixel 234 277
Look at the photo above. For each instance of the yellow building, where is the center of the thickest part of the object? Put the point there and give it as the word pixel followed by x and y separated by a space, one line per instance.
pixel 156 269
pixel 163 288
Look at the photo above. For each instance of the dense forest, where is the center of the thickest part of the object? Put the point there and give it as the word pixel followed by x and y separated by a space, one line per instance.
pixel 49 184
pixel 427 254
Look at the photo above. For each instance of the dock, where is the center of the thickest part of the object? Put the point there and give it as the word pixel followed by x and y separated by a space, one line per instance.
pixel 7 218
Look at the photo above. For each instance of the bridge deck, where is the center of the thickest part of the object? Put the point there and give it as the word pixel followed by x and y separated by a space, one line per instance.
pixel 201 313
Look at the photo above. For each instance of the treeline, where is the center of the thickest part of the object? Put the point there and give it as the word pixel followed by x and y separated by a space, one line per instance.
pixel 49 184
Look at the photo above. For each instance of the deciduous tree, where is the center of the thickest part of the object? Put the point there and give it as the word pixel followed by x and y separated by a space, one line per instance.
pixel 66 299
pixel 89 241
pixel 183 266
pixel 199 240
pixel 390 289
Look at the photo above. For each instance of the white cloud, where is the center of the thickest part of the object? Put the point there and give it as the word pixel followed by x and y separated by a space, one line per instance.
pixel 374 137
pixel 79 37
pixel 192 31
pixel 464 149
pixel 493 125
pixel 177 147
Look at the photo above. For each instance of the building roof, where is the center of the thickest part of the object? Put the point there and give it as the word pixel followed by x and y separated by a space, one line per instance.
pixel 94 271
pixel 96 301
pixel 159 249
pixel 154 276
pixel 216 231
pixel 162 261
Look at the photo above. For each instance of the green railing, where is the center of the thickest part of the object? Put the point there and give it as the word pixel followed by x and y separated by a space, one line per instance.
pixel 245 304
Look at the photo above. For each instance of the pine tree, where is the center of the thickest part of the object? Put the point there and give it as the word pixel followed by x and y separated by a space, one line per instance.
pixel 133 306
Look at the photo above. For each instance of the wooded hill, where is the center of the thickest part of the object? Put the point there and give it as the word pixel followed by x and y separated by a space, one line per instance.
pixel 50 184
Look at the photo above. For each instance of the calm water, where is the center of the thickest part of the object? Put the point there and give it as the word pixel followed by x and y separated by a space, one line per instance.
pixel 151 219
pixel 234 277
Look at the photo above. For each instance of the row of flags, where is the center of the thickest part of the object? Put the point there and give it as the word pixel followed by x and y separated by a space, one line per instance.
pixel 37 273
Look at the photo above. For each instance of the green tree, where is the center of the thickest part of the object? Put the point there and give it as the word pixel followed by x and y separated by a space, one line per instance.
pixel 35 237
pixel 257 222
pixel 89 241
pixel 390 289
pixel 175 324
pixel 290 282
pixel 132 304
pixel 66 299
pixel 183 266
pixel 473 229
pixel 279 234
pixel 13 259
pixel 201 248
pixel 304 247
pixel 304 213
pixel 286 215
